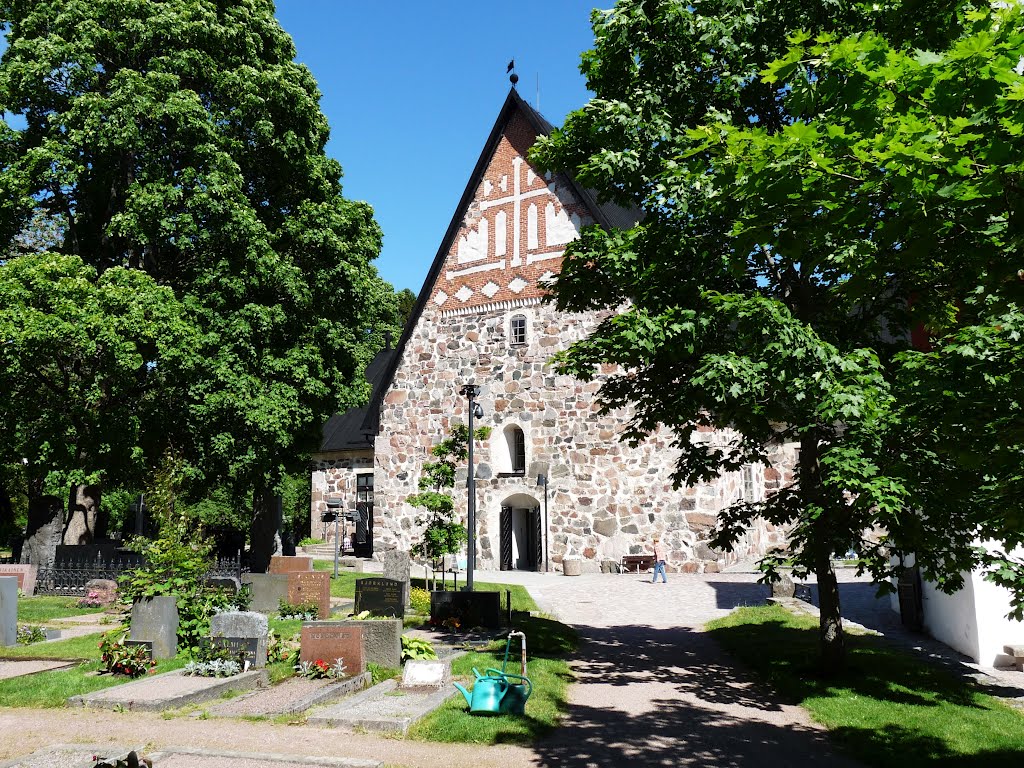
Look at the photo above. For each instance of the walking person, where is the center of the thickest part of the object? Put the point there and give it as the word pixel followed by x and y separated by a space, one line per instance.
pixel 659 562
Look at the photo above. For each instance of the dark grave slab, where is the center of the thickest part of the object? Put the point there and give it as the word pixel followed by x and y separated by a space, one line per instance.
pixel 313 587
pixel 473 609
pixel 25 574
pixel 241 648
pixel 381 597
pixel 156 619
pixel 329 641
pixel 293 564
pixel 267 589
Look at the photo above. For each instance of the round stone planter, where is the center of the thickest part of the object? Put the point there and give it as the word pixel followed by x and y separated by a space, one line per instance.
pixel 572 567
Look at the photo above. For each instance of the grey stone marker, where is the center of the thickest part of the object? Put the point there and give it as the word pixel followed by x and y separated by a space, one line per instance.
pixel 243 624
pixel 784 587
pixel 427 673
pixel 155 620
pixel 268 590
pixel 8 610
pixel 396 564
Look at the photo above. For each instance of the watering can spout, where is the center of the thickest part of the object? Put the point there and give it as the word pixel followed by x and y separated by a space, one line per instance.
pixel 465 693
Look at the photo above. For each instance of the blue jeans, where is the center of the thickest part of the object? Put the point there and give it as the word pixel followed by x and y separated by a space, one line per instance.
pixel 659 567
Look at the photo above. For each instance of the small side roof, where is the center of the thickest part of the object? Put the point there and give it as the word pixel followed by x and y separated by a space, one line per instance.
pixel 353 429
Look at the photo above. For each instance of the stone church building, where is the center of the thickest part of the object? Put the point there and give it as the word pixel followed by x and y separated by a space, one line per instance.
pixel 481 318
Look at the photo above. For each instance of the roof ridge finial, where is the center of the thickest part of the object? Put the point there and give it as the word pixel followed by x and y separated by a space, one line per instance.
pixel 512 78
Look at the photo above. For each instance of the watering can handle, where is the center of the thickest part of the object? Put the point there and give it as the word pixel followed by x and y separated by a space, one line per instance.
pixel 506 675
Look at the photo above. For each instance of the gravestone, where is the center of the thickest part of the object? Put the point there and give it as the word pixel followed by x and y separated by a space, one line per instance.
pixel 267 589
pixel 155 619
pixel 784 587
pixel 329 641
pixel 25 574
pixel 427 673
pixel 313 587
pixel 472 609
pixel 382 639
pixel 381 597
pixel 105 590
pixel 294 564
pixel 44 531
pixel 238 630
pixel 396 564
pixel 8 610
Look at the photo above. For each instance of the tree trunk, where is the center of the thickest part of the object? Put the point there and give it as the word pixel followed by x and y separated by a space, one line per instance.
pixel 265 532
pixel 833 648
pixel 830 623
pixel 83 515
pixel 43 534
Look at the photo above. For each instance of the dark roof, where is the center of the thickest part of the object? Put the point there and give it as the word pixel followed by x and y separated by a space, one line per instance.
pixel 353 430
pixel 608 215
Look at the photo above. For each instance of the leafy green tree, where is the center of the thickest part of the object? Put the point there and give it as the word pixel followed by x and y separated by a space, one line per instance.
pixel 763 290
pixel 442 534
pixel 180 138
pixel 82 357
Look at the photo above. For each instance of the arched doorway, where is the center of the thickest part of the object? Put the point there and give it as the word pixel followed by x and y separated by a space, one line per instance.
pixel 522 534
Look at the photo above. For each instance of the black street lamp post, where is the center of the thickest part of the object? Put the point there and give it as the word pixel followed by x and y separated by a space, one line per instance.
pixel 542 480
pixel 471 391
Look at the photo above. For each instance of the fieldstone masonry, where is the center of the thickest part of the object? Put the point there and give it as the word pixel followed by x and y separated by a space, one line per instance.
pixel 484 321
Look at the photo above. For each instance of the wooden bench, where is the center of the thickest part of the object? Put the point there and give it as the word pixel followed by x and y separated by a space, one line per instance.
pixel 1017 652
pixel 641 562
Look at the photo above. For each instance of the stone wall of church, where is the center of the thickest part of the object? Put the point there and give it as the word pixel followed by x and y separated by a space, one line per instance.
pixel 604 498
pixel 334 478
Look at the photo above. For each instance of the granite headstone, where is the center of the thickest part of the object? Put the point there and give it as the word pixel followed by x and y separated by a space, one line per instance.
pixel 382 639
pixel 105 590
pixel 8 610
pixel 293 564
pixel 313 587
pixel 395 563
pixel 381 597
pixel 784 587
pixel 25 574
pixel 231 626
pixel 155 619
pixel 267 589
pixel 329 641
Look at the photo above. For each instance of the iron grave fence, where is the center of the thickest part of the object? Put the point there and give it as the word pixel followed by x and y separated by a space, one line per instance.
pixel 69 577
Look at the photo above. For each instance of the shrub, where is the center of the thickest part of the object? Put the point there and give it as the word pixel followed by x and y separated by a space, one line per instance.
pixel 416 648
pixel 91 600
pixel 321 670
pixel 305 611
pixel 420 600
pixel 213 668
pixel 309 541
pixel 279 649
pixel 121 659
pixel 28 634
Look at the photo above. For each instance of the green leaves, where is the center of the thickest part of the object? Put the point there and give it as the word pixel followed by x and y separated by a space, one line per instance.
pixel 179 141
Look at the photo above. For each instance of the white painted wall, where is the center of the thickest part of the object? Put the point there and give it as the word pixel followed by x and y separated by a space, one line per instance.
pixel 973 620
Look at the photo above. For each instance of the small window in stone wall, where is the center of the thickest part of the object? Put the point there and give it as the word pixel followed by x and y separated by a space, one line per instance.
pixel 517 329
pixel 515 444
pixel 749 486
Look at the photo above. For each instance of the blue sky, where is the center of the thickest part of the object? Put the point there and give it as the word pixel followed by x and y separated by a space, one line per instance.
pixel 411 90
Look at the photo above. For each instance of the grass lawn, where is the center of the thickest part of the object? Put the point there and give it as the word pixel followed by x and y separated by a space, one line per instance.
pixel 38 610
pixel 889 708
pixel 548 642
pixel 51 689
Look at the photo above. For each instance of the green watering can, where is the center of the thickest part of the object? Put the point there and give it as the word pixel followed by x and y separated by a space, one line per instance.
pixel 487 694
pixel 519 690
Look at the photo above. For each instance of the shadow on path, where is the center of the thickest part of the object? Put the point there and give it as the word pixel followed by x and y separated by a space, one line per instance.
pixel 653 697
